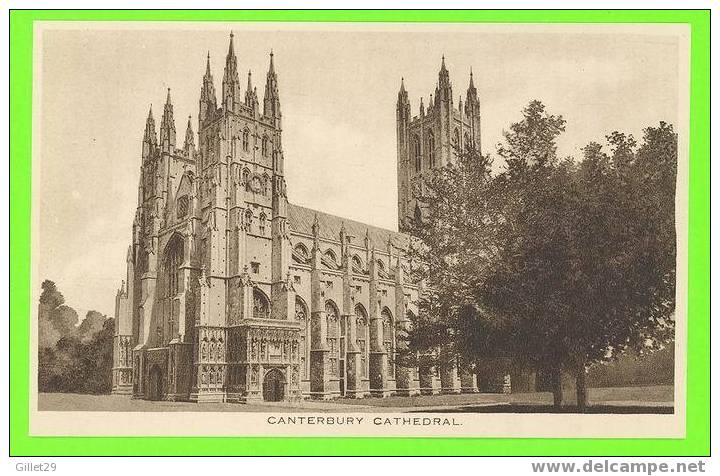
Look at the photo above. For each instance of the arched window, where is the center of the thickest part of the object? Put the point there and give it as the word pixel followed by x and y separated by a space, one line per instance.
pixel 183 206
pixel 467 140
pixel 248 219
pixel 301 315
pixel 333 333
pixel 246 139
pixel 431 150
pixel 300 254
pixel 357 266
pixel 363 338
pixel 173 259
pixel 246 179
pixel 265 146
pixel 389 339
pixel 261 222
pixel 417 154
pixel 380 267
pixel 261 305
pixel 265 183
pixel 330 259
pixel 456 139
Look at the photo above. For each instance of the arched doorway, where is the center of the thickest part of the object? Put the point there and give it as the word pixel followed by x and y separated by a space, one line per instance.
pixel 155 383
pixel 274 386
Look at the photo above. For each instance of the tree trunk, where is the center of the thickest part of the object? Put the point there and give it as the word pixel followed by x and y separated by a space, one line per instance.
pixel 557 388
pixel 581 386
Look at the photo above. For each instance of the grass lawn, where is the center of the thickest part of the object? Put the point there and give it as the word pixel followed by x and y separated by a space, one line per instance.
pixel 652 399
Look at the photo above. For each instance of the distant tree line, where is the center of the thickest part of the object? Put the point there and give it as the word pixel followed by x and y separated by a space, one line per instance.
pixel 72 358
pixel 556 263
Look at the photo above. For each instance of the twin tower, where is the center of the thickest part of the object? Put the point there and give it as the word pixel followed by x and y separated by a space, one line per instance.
pixel 234 294
pixel 431 139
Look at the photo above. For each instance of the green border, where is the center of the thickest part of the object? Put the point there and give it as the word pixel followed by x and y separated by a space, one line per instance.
pixel 696 443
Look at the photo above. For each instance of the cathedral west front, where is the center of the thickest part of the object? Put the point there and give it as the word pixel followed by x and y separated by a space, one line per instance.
pixel 234 294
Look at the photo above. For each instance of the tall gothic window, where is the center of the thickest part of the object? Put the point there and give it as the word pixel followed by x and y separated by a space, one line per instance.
pixel 362 339
pixel 248 220
pixel 389 339
pixel 261 305
pixel 173 260
pixel 416 154
pixel 262 223
pixel 431 150
pixel 183 205
pixel 456 139
pixel 265 146
pixel 265 183
pixel 246 179
pixel 246 140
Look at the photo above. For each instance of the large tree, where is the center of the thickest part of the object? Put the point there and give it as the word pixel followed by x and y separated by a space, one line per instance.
pixel 559 263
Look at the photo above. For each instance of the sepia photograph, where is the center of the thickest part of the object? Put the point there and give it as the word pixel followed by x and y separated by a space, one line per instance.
pixel 359 229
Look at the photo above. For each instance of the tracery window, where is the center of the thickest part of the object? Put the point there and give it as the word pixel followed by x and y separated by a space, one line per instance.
pixel 389 339
pixel 357 266
pixel 248 220
pixel 265 146
pixel 362 338
pixel 246 179
pixel 246 140
pixel 300 254
pixel 431 150
pixel 416 154
pixel 183 204
pixel 173 260
pixel 330 259
pixel 262 221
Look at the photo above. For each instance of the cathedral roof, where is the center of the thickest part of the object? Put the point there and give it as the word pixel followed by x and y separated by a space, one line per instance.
pixel 301 221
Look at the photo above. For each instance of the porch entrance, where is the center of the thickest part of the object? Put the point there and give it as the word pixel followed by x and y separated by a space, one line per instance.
pixel 274 386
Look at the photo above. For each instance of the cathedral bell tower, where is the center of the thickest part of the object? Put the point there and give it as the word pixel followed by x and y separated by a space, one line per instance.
pixel 430 140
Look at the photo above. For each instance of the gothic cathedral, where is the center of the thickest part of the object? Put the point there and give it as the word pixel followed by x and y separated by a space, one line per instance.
pixel 233 294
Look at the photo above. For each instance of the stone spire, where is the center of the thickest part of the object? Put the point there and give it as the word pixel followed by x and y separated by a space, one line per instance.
pixel 471 91
pixel 167 126
pixel 443 92
pixel 208 101
pixel 271 102
pixel 189 137
pixel 150 137
pixel 251 99
pixel 231 81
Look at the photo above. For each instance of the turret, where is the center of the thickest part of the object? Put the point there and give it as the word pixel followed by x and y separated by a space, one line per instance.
pixel 271 101
pixel 208 101
pixel 403 104
pixel 231 81
pixel 251 99
pixel 150 137
pixel 443 91
pixel 472 111
pixel 167 127
pixel 189 145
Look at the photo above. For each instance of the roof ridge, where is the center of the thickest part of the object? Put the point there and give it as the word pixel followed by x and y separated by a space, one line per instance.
pixel 338 217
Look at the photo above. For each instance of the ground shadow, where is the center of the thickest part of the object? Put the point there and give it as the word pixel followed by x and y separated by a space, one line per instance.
pixel 594 409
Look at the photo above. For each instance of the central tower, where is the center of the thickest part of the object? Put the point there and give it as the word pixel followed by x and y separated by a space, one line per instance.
pixel 431 139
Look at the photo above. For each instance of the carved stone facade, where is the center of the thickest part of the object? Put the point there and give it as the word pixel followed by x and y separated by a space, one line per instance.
pixel 235 295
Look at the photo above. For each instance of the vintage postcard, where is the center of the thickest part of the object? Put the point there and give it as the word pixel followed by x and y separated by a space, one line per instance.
pixel 356 229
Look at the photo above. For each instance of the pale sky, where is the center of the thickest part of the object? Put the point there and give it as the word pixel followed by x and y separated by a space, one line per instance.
pixel 338 90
